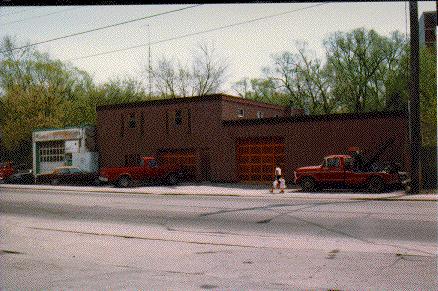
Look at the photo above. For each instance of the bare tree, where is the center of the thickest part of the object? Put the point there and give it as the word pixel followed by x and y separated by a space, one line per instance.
pixel 206 75
pixel 208 71
pixel 165 78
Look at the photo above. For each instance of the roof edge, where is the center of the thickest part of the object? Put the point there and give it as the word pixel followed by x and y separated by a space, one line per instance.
pixel 322 117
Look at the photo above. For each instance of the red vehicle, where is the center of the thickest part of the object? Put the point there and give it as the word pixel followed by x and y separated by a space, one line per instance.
pixel 337 170
pixel 149 169
pixel 6 170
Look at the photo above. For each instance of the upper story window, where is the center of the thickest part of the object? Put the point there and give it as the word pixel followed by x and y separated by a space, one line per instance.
pixel 240 112
pixel 178 117
pixel 259 114
pixel 122 124
pixel 189 121
pixel 132 120
pixel 142 123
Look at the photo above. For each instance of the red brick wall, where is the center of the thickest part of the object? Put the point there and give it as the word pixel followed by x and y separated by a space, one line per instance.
pixel 307 139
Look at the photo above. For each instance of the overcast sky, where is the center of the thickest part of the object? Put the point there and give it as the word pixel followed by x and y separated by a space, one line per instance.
pixel 247 47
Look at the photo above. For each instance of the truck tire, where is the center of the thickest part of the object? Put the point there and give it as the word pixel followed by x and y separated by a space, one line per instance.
pixel 54 182
pixel 376 185
pixel 172 179
pixel 124 182
pixel 308 184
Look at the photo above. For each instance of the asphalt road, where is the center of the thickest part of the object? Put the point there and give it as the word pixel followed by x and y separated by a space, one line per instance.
pixel 52 239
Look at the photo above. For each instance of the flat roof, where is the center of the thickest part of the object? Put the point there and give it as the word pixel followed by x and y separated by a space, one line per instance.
pixel 322 117
pixel 211 97
pixel 63 128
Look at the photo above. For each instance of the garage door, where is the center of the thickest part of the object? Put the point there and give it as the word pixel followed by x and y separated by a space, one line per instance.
pixel 256 158
pixel 50 155
pixel 186 159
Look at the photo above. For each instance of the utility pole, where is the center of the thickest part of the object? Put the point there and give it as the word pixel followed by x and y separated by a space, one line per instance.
pixel 149 62
pixel 414 117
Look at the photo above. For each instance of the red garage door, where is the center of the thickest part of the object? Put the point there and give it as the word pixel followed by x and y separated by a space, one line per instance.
pixel 256 158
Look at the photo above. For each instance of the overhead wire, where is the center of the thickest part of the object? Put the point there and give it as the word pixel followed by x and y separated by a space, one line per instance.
pixel 39 16
pixel 16 12
pixel 100 28
pixel 199 32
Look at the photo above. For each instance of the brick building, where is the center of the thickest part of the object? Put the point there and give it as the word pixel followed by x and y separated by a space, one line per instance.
pixel 427 29
pixel 225 138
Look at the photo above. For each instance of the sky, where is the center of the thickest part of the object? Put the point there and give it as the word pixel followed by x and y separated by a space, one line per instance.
pixel 247 48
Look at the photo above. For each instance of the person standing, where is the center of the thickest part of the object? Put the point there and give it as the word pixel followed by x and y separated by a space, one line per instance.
pixel 282 184
pixel 276 182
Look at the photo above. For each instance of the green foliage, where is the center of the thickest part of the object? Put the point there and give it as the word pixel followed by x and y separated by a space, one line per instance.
pixel 360 66
pixel 428 96
pixel 360 63
pixel 39 92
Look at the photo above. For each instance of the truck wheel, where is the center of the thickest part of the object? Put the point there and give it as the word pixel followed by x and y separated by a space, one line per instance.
pixel 308 184
pixel 124 182
pixel 172 179
pixel 54 182
pixel 376 185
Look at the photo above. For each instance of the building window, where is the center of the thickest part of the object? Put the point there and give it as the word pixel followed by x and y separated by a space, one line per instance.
pixel 259 114
pixel 189 120
pixel 240 112
pixel 132 120
pixel 167 122
pixel 142 123
pixel 178 117
pixel 122 125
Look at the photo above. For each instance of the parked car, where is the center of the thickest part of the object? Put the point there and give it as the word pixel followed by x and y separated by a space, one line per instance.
pixel 6 170
pixel 69 175
pixel 336 171
pixel 20 177
pixel 148 170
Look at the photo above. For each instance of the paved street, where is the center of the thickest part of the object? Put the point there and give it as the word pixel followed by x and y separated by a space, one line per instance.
pixel 98 240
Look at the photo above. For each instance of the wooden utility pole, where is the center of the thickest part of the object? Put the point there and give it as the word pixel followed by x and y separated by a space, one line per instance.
pixel 415 127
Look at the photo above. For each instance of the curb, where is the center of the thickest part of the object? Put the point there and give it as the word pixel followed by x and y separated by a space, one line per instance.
pixel 289 195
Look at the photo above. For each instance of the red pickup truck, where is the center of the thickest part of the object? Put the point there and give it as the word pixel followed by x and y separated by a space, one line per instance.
pixel 337 170
pixel 149 169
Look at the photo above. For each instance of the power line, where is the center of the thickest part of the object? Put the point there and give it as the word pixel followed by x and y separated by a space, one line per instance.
pixel 100 28
pixel 17 12
pixel 39 16
pixel 199 32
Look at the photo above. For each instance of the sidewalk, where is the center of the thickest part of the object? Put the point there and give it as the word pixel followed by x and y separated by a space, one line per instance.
pixel 239 190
